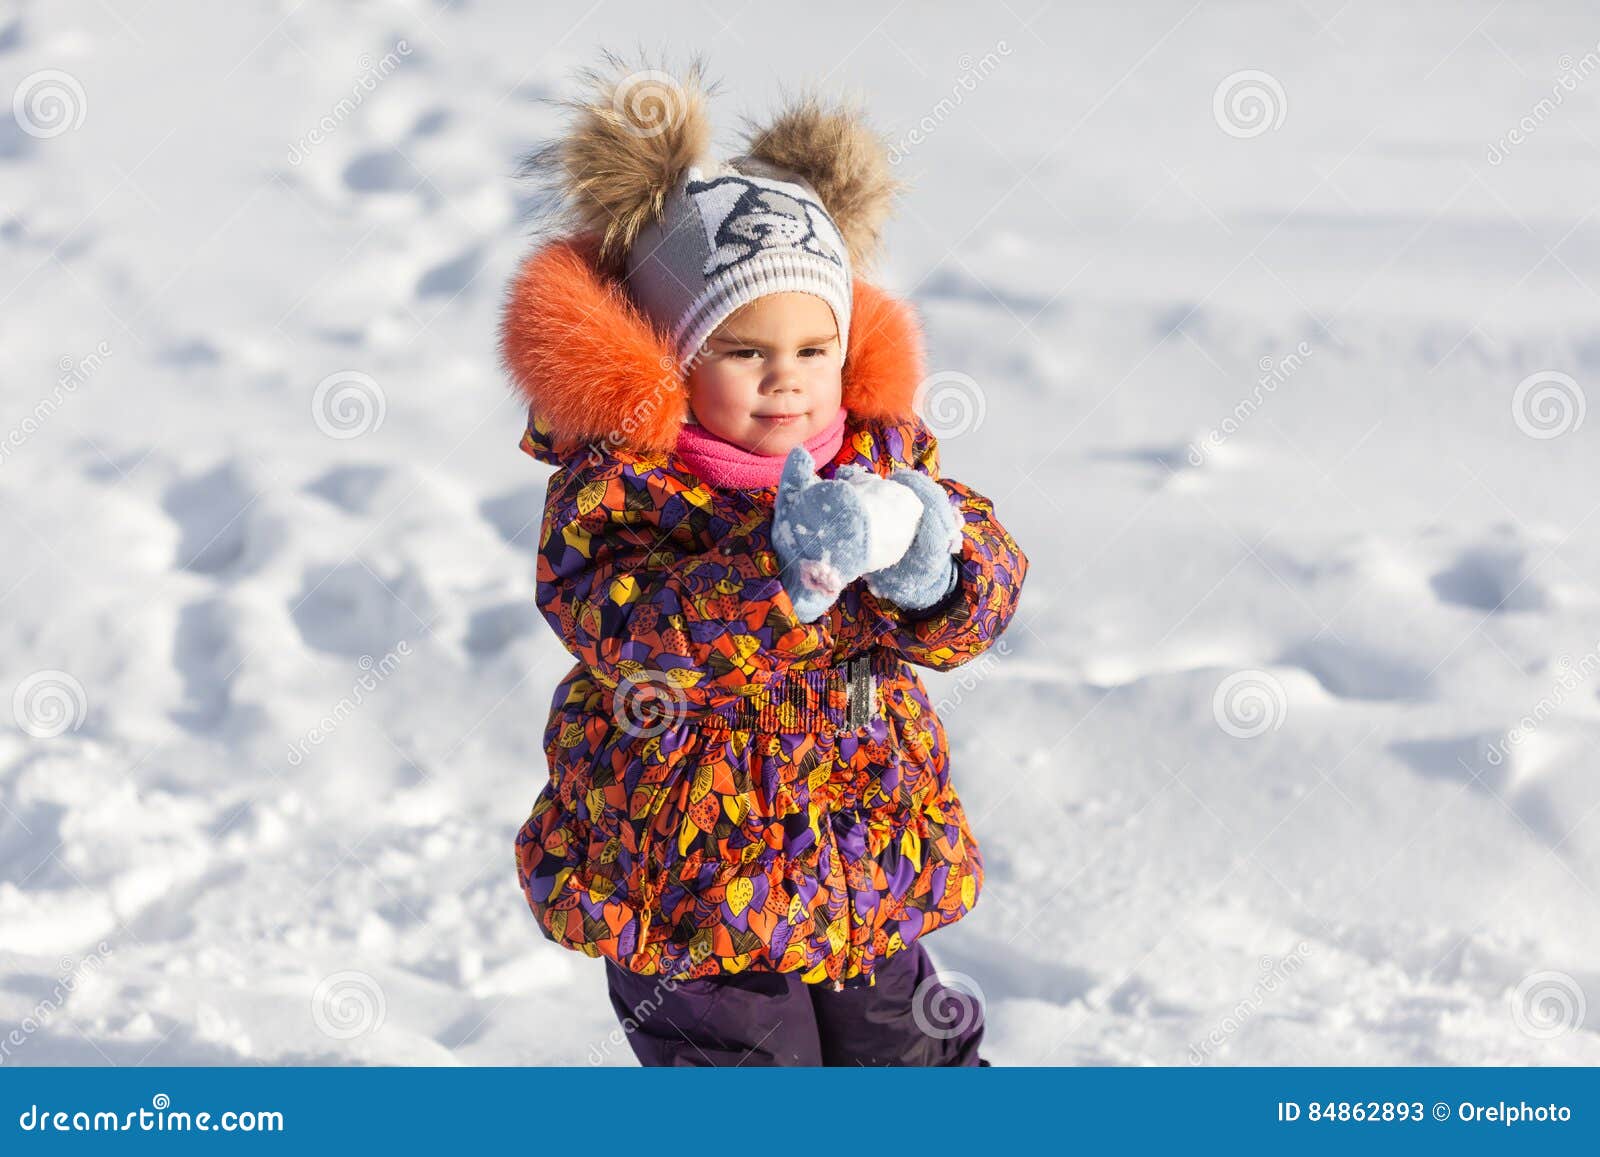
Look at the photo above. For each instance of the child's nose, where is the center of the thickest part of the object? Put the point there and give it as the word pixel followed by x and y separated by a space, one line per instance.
pixel 784 377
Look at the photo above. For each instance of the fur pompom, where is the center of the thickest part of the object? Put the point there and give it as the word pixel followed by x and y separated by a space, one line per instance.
pixel 835 152
pixel 631 138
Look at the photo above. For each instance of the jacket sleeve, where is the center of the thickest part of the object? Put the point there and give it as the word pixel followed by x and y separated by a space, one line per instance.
pixel 990 570
pixel 643 578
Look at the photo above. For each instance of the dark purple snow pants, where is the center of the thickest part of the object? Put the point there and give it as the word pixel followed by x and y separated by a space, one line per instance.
pixel 775 1018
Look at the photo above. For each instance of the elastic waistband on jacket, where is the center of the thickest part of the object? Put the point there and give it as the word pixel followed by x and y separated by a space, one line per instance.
pixel 843 697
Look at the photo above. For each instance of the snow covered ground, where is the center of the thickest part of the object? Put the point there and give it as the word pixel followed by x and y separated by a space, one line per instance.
pixel 1291 755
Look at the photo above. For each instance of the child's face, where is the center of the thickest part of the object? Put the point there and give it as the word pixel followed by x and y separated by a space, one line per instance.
pixel 778 355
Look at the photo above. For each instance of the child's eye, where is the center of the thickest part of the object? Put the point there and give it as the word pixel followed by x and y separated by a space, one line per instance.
pixel 742 353
pixel 809 350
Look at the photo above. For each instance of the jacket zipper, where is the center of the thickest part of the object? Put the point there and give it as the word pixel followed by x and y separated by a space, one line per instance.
pixel 863 692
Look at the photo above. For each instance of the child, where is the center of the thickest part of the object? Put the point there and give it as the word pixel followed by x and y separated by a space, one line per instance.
pixel 749 813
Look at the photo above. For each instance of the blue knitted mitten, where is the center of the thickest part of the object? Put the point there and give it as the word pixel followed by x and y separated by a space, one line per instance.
pixel 928 571
pixel 819 533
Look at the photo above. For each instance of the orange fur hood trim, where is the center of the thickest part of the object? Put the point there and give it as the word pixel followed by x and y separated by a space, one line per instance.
pixel 593 367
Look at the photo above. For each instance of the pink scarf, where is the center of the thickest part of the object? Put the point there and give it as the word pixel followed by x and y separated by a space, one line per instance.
pixel 730 467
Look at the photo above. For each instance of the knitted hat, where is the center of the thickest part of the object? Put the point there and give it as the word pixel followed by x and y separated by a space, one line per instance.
pixel 726 237
pixel 693 238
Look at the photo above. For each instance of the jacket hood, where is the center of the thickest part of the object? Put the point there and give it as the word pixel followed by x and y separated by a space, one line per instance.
pixel 593 368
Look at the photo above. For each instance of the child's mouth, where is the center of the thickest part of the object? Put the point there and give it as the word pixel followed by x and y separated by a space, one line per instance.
pixel 780 419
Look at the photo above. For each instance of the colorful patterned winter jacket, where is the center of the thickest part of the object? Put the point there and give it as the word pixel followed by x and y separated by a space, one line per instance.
pixel 731 788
